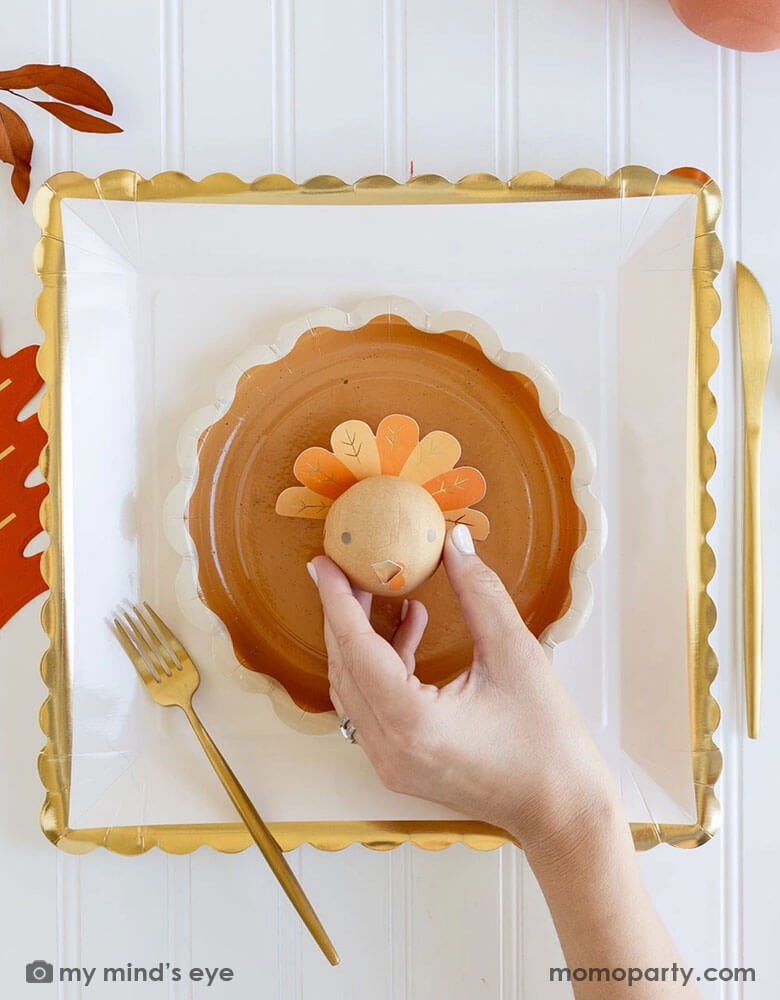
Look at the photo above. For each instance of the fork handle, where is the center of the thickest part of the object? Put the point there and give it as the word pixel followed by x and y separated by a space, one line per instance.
pixel 263 837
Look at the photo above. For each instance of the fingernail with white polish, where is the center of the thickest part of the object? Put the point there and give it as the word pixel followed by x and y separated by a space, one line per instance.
pixel 312 572
pixel 464 543
pixel 404 610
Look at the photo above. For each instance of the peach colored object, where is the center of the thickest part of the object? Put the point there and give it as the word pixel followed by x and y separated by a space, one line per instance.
pixel 252 563
pixel 386 533
pixel 384 498
pixel 747 25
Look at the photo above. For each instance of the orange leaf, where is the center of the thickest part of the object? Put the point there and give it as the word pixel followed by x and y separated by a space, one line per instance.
pixel 20 446
pixel 396 439
pixel 62 82
pixel 457 488
pixel 323 473
pixel 79 120
pixel 16 146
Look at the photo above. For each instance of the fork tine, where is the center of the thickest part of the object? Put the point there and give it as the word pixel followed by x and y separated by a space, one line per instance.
pixel 133 654
pixel 145 648
pixel 169 637
pixel 169 660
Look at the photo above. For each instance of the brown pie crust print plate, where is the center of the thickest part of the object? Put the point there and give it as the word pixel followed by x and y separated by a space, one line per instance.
pixel 247 564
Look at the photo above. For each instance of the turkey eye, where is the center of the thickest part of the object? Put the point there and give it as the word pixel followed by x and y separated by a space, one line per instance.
pixel 346 537
pixel 431 534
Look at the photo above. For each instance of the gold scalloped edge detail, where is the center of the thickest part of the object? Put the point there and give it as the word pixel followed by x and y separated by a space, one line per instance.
pixel 127 185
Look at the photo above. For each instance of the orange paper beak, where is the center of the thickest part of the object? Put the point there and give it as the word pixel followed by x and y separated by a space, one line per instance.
pixel 390 572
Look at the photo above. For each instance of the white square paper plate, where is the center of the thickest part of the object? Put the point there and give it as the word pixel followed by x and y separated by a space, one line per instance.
pixel 160 295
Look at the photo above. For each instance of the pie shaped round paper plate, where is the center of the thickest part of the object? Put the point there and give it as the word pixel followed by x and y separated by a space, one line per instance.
pixel 243 573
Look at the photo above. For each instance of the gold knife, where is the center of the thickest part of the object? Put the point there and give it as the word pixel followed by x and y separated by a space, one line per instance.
pixel 755 340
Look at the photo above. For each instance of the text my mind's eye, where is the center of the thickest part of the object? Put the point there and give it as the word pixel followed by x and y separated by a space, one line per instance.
pixel 346 537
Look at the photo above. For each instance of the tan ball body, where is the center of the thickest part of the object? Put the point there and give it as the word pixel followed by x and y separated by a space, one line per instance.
pixel 386 534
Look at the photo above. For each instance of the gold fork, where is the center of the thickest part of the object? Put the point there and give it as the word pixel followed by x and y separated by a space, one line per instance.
pixel 167 670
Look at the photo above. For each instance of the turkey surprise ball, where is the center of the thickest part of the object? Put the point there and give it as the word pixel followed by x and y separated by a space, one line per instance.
pixel 386 534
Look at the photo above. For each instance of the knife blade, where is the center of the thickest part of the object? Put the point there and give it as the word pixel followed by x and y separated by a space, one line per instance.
pixel 755 341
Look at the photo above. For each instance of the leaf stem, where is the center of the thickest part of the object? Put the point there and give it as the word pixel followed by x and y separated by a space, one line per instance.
pixel 17 94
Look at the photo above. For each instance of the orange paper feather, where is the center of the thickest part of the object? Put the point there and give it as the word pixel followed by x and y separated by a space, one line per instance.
pixel 457 488
pixel 323 473
pixel 395 450
pixel 396 437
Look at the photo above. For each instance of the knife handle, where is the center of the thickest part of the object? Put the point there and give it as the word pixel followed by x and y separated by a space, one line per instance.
pixel 753 585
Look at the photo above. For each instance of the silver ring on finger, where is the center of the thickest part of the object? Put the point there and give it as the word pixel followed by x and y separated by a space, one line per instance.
pixel 347 729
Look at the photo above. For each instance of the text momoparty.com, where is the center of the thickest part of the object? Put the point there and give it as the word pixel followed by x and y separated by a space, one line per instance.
pixel 160 973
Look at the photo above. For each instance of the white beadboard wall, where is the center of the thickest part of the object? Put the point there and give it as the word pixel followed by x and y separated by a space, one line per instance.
pixel 353 87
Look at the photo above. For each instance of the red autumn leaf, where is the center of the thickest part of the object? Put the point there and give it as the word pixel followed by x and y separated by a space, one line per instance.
pixel 61 82
pixel 20 446
pixel 16 146
pixel 79 120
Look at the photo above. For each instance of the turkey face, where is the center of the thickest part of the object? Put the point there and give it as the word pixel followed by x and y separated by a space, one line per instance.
pixel 386 534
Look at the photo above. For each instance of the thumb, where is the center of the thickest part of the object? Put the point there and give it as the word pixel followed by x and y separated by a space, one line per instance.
pixel 488 610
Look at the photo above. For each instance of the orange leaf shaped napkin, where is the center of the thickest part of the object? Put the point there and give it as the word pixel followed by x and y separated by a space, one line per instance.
pixel 20 446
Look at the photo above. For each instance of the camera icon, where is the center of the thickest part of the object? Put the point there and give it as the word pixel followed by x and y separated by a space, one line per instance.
pixel 40 972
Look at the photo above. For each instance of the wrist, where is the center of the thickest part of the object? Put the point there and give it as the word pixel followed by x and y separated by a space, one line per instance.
pixel 567 838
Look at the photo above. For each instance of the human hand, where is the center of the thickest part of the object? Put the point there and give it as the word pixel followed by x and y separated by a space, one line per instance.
pixel 503 742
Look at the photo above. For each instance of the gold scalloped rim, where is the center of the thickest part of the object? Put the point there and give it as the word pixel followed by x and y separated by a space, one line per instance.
pixel 127 185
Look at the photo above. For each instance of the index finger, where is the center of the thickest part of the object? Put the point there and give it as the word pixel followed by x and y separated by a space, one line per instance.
pixel 346 615
pixel 375 666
